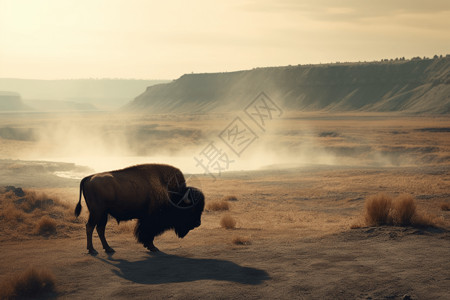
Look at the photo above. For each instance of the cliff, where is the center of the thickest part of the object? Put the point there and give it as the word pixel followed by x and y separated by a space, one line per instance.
pixel 413 86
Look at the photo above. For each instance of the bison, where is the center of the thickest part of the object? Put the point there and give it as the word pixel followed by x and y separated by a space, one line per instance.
pixel 156 195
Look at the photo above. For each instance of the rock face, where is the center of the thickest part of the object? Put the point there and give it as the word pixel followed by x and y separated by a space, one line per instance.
pixel 413 86
pixel 11 101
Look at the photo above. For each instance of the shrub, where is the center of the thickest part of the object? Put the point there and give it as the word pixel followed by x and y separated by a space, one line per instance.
pixel 30 284
pixel 230 198
pixel 228 222
pixel 425 220
pixel 12 214
pixel 377 209
pixel 239 240
pixel 401 211
pixel 34 201
pixel 218 206
pixel 46 226
pixel 445 206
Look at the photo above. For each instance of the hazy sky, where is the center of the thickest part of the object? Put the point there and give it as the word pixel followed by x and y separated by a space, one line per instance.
pixel 55 39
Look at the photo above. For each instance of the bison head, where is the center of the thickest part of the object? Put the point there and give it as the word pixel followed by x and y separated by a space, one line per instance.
pixel 189 211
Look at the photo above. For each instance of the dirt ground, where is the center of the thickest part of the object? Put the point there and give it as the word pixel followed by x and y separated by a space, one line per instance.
pixel 300 244
pixel 302 227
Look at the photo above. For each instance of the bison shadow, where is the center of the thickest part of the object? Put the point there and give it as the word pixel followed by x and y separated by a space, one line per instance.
pixel 165 268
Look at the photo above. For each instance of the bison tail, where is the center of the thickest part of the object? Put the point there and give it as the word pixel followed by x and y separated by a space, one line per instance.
pixel 78 207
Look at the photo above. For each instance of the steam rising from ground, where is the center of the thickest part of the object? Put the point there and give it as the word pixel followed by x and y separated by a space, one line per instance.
pixel 116 143
pixel 106 141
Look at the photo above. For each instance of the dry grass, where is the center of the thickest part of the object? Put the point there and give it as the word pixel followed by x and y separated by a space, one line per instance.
pixel 445 206
pixel 377 209
pixel 403 210
pixel 218 206
pixel 228 222
pixel 356 225
pixel 33 283
pixel 28 213
pixel 382 209
pixel 230 198
pixel 35 201
pixel 46 226
pixel 10 213
pixel 241 240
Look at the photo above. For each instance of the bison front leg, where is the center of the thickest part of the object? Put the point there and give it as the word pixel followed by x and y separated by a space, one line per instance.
pixel 150 246
pixel 101 233
pixel 145 233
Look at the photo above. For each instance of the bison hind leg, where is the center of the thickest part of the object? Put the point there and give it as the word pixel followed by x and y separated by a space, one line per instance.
pixel 90 225
pixel 101 233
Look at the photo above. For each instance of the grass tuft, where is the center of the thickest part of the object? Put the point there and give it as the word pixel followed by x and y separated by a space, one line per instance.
pixel 240 240
pixel 228 222
pixel 45 226
pixel 34 201
pixel 218 206
pixel 377 210
pixel 32 283
pixel 445 206
pixel 403 210
pixel 382 209
pixel 230 198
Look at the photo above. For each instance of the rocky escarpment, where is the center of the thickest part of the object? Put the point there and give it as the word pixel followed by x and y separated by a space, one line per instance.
pixel 413 86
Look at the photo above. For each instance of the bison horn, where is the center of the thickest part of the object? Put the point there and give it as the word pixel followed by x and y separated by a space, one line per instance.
pixel 185 198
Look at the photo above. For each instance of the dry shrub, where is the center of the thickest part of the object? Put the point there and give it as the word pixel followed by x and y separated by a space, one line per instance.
pixel 403 210
pixel 12 215
pixel 377 209
pixel 230 198
pixel 46 226
pixel 422 219
pixel 381 209
pixel 228 222
pixel 218 206
pixel 27 213
pixel 32 283
pixel 357 225
pixel 34 201
pixel 445 206
pixel 240 240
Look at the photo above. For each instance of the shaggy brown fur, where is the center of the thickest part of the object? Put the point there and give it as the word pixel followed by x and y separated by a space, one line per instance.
pixel 142 192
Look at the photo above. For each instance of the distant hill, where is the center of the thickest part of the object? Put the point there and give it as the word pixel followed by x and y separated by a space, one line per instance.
pixel 11 101
pixel 101 93
pixel 414 86
pixel 60 106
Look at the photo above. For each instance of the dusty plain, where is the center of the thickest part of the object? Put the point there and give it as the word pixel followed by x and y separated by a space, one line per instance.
pixel 299 217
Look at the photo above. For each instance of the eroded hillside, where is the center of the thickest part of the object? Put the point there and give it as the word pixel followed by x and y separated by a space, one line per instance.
pixel 414 86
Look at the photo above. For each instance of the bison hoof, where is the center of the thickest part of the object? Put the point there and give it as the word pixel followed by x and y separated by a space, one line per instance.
pixel 92 251
pixel 153 249
pixel 109 250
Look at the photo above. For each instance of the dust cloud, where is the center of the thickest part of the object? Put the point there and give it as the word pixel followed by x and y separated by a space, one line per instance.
pixel 108 141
